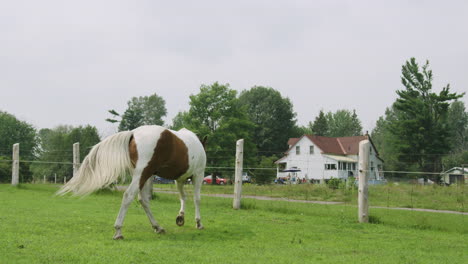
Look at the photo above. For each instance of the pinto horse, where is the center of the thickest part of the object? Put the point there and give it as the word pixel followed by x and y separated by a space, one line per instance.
pixel 142 153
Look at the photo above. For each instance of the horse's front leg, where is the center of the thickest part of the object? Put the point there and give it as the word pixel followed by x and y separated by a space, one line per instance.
pixel 180 220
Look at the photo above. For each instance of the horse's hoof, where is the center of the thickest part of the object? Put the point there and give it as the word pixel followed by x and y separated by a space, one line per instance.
pixel 180 220
pixel 119 237
pixel 160 230
pixel 199 225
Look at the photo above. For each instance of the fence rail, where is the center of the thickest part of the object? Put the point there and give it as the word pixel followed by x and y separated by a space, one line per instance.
pixel 414 197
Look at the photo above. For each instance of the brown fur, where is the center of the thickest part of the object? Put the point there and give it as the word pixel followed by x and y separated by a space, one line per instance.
pixel 170 159
pixel 133 151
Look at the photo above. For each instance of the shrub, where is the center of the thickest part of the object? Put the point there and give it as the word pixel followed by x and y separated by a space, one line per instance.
pixel 334 183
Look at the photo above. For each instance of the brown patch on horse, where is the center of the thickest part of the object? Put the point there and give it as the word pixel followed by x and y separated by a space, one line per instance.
pixel 170 159
pixel 133 151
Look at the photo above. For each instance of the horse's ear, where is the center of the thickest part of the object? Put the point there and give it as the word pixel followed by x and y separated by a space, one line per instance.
pixel 203 141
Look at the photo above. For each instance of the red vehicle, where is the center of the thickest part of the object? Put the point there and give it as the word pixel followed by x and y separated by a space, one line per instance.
pixel 208 180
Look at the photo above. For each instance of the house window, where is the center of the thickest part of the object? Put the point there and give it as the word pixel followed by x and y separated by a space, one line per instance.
pixel 372 166
pixel 311 150
pixel 354 166
pixel 298 150
pixel 330 166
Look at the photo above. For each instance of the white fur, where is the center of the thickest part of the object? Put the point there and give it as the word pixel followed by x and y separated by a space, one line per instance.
pixel 111 158
pixel 105 163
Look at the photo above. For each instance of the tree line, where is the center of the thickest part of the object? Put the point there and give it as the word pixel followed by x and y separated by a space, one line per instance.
pixel 421 131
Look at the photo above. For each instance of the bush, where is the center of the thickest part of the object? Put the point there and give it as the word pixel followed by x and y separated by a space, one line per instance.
pixel 334 183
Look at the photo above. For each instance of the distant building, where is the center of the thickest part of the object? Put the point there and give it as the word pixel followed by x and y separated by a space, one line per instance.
pixel 455 175
pixel 316 158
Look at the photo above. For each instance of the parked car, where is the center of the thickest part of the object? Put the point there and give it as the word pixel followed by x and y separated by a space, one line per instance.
pixel 208 180
pixel 246 178
pixel 160 180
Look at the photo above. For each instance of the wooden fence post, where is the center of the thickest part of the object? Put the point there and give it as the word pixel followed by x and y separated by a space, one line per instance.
pixel 363 203
pixel 238 174
pixel 55 178
pixel 15 165
pixel 76 158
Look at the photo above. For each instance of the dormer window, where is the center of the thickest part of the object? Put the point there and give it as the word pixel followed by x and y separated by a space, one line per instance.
pixel 298 150
pixel 311 150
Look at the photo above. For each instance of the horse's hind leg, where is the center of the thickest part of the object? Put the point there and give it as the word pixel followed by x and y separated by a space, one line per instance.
pixel 198 180
pixel 144 198
pixel 180 218
pixel 127 199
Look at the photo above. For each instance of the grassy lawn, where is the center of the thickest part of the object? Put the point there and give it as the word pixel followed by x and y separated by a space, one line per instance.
pixel 437 197
pixel 37 227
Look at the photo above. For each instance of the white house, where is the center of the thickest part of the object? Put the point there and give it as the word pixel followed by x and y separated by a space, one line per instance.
pixel 455 175
pixel 316 158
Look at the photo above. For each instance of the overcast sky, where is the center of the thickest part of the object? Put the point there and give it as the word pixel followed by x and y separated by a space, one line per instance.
pixel 68 62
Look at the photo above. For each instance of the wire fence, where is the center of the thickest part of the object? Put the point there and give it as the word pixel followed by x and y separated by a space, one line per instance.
pixel 404 189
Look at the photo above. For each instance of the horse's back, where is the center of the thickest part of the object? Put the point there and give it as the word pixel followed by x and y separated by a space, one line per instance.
pixel 167 153
pixel 197 155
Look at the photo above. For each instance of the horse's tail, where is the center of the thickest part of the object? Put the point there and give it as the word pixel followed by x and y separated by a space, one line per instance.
pixel 105 163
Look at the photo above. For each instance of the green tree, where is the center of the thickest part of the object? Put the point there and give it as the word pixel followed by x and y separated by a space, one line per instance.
pixel 267 173
pixel 143 110
pixel 131 119
pixel 343 123
pixel 421 131
pixel 14 131
pixel 302 130
pixel 181 120
pixel 458 126
pixel 384 139
pixel 215 112
pixel 272 115
pixel 56 150
pixel 320 125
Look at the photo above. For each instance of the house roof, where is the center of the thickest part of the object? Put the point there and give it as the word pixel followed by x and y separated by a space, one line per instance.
pixel 454 169
pixel 333 145
pixel 338 145
pixel 293 141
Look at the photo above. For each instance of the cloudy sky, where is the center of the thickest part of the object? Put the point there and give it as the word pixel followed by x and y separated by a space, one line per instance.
pixel 68 62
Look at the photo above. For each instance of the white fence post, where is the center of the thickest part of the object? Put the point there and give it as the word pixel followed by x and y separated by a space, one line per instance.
pixel 55 178
pixel 15 165
pixel 76 158
pixel 363 202
pixel 238 174
pixel 44 179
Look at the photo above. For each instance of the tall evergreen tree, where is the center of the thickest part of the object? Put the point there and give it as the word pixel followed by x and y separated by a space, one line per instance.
pixel 421 129
pixel 320 125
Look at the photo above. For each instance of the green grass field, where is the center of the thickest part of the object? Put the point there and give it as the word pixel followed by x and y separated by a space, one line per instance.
pixel 37 227
pixel 391 195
